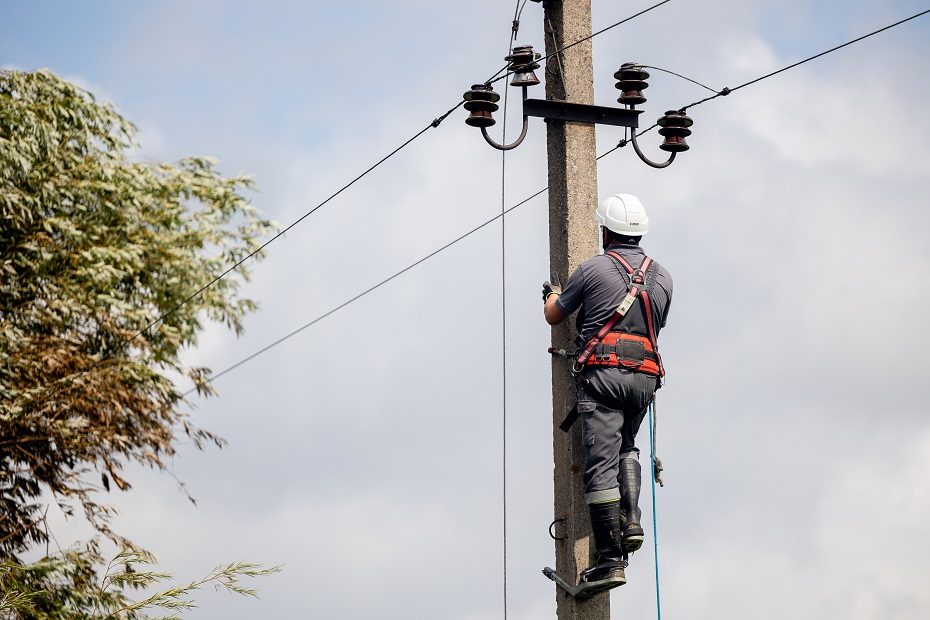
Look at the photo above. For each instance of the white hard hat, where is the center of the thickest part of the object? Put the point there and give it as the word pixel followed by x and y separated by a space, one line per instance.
pixel 623 214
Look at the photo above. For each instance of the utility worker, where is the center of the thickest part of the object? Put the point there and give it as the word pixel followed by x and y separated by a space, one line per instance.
pixel 624 299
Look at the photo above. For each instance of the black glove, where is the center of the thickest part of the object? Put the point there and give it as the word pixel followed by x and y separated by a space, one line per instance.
pixel 551 287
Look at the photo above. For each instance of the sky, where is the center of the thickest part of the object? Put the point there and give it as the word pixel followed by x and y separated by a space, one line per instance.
pixel 365 454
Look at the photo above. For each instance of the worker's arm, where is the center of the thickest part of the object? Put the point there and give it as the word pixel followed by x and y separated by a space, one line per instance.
pixel 559 304
pixel 553 313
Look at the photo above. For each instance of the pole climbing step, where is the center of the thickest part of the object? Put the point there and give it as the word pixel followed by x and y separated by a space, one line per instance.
pixel 583 590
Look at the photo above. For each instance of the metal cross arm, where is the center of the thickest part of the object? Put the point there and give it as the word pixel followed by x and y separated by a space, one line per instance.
pixel 582 112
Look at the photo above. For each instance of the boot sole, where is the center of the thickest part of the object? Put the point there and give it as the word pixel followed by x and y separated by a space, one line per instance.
pixel 633 537
pixel 589 589
pixel 632 543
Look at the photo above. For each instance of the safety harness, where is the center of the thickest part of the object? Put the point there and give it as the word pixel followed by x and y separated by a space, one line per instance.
pixel 610 348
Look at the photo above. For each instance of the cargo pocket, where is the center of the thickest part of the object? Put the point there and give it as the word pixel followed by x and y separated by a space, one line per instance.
pixel 586 409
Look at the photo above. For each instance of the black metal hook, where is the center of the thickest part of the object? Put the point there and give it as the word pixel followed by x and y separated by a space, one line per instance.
pixel 552 525
pixel 648 161
pixel 517 142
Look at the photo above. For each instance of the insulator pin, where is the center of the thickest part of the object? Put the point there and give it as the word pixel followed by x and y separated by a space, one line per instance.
pixel 674 127
pixel 481 102
pixel 631 80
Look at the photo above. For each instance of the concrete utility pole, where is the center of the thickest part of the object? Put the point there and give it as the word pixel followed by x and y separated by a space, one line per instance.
pixel 572 239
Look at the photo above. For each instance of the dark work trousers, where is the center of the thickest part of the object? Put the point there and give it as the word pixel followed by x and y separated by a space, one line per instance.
pixel 612 403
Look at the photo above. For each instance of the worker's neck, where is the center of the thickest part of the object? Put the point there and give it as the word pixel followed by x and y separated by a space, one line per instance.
pixel 618 245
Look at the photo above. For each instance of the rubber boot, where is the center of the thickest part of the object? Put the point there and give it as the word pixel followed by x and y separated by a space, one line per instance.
pixel 630 479
pixel 608 572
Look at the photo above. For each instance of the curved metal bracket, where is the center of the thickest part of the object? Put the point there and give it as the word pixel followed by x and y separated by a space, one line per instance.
pixel 648 161
pixel 552 529
pixel 515 143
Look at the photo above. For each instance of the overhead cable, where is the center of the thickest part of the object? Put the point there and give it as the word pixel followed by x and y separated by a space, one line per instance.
pixel 370 289
pixel 684 77
pixel 435 123
pixel 620 145
pixel 120 346
pixel 513 35
pixel 587 38
pixel 378 285
pixel 727 91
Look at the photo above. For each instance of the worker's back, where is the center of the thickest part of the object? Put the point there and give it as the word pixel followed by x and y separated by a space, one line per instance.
pixel 598 286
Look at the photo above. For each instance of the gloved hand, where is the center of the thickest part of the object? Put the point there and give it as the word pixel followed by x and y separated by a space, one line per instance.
pixel 551 287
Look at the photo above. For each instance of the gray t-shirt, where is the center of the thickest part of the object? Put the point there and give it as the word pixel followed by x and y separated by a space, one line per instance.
pixel 598 286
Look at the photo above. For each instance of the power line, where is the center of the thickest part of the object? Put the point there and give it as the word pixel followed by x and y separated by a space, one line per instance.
pixel 620 145
pixel 513 35
pixel 727 91
pixel 684 77
pixel 518 12
pixel 381 283
pixel 603 30
pixel 626 141
pixel 833 49
pixel 516 18
pixel 433 124
pixel 370 289
pixel 583 39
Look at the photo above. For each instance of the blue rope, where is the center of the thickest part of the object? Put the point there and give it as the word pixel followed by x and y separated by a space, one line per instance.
pixel 655 536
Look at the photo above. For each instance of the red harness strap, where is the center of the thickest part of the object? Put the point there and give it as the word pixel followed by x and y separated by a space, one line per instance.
pixel 637 290
pixel 647 306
